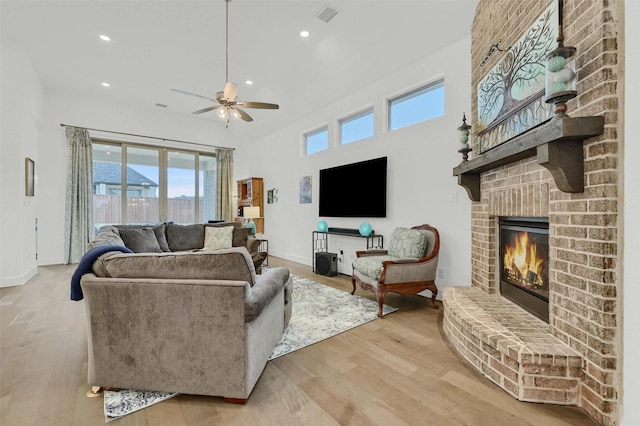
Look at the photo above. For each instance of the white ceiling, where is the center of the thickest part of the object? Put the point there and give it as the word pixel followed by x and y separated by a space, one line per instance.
pixel 163 44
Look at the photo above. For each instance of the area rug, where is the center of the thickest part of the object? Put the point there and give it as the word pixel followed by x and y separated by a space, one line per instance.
pixel 125 401
pixel 319 312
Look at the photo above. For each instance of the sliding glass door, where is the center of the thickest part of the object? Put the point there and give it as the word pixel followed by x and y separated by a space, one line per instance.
pixel 142 175
pixel 107 184
pixel 182 187
pixel 160 185
pixel 207 177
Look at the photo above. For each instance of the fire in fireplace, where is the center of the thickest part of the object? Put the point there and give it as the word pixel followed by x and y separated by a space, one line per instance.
pixel 524 263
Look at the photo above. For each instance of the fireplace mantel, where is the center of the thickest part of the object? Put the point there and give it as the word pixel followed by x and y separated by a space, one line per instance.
pixel 557 145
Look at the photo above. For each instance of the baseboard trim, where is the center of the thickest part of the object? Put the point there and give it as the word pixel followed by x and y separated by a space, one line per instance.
pixel 18 280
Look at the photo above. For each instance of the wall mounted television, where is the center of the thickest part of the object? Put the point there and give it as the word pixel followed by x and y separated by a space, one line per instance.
pixel 354 190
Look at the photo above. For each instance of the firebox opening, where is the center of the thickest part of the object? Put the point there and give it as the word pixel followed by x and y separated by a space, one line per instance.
pixel 524 263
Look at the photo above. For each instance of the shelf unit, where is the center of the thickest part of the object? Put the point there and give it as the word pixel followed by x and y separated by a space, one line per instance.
pixel 251 194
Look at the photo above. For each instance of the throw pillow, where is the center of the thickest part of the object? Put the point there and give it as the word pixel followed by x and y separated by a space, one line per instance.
pixel 141 240
pixel 185 237
pixel 240 235
pixel 407 242
pixel 216 238
pixel 161 237
pixel 108 234
pixel 258 258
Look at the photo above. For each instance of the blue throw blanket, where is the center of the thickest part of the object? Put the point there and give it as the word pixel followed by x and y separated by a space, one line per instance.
pixel 85 266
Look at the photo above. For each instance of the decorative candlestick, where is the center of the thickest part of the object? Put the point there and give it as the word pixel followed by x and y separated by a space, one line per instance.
pixel 464 138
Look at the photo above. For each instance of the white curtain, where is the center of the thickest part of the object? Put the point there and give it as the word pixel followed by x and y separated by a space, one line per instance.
pixel 78 224
pixel 224 184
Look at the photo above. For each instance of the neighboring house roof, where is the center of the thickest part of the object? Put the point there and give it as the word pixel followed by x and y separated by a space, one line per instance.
pixel 111 174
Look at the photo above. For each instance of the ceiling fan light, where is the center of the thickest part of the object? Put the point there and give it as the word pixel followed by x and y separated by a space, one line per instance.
pixel 234 114
pixel 222 113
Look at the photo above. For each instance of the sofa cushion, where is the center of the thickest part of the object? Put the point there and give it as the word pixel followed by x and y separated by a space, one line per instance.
pixel 107 234
pixel 160 232
pixel 141 240
pixel 407 243
pixel 185 237
pixel 228 264
pixel 216 238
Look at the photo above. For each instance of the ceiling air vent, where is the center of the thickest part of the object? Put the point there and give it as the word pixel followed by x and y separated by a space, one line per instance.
pixel 326 13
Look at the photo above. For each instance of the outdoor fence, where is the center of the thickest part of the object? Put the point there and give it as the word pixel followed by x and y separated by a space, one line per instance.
pixel 106 210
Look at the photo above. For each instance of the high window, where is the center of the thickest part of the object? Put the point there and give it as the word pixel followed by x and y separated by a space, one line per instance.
pixel 356 127
pixel 317 141
pixel 135 184
pixel 422 104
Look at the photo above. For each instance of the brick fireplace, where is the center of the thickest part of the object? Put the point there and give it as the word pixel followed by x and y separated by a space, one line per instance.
pixel 574 358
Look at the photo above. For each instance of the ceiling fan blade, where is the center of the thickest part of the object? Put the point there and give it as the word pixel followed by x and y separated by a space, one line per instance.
pixel 262 105
pixel 230 91
pixel 243 115
pixel 207 109
pixel 193 94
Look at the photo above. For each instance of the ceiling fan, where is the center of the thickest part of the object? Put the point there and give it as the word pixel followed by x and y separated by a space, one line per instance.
pixel 228 106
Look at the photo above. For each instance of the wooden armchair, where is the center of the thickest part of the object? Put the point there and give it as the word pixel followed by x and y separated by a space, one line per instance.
pixel 408 266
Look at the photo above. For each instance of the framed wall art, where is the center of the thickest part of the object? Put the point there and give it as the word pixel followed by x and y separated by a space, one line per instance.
pixel 272 196
pixel 29 177
pixel 511 95
pixel 305 190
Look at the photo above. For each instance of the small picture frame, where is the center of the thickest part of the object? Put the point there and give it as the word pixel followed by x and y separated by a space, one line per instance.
pixel 270 196
pixel 305 190
pixel 29 177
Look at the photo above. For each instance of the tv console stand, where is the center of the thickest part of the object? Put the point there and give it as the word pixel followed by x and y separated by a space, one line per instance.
pixel 320 241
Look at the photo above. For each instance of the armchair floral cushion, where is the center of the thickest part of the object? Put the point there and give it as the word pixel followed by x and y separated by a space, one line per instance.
pixel 407 243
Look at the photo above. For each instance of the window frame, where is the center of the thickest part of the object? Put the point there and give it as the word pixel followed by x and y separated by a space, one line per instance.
pixel 422 88
pixel 163 165
pixel 316 131
pixel 353 117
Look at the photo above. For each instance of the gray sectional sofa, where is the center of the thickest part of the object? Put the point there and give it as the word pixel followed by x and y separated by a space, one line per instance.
pixel 192 321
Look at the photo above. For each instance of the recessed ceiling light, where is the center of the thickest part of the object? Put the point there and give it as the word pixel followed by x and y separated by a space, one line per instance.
pixel 248 82
pixel 304 33
pixel 105 37
pixel 105 84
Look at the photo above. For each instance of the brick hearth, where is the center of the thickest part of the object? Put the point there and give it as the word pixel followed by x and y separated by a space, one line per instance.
pixel 511 347
pixel 583 232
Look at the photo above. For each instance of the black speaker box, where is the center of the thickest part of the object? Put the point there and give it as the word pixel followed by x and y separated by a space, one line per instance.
pixel 327 264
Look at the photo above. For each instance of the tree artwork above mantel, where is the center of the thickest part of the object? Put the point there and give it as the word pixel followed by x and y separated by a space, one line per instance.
pixel 511 95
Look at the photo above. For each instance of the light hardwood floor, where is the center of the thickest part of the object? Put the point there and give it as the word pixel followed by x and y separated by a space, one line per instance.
pixel 399 370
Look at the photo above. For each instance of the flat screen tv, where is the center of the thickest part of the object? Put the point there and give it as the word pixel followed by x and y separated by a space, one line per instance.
pixel 354 190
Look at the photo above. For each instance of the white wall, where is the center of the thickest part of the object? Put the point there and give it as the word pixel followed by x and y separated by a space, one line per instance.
pixel 631 248
pixel 421 187
pixel 21 111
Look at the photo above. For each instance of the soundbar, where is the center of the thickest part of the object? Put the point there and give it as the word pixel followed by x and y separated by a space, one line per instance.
pixel 346 231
